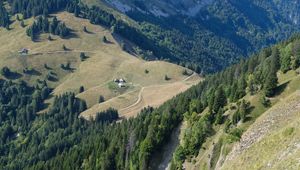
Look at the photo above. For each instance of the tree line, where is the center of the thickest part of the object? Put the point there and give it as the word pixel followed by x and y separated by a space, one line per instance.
pixel 61 139
pixel 43 25
pixel 4 16
pixel 256 75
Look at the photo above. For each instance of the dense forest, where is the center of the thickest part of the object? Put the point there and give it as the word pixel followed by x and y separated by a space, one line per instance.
pixel 220 33
pixel 257 75
pixel 4 16
pixel 59 138
pixel 193 43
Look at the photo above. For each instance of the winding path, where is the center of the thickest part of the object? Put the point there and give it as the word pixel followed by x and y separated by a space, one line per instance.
pixel 140 97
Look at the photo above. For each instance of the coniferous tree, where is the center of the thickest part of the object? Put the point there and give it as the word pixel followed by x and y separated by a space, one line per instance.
pixel 271 79
pixel 296 54
pixel 4 16
pixel 220 100
pixel 270 84
pixel 219 117
pixel 101 99
pixel 81 89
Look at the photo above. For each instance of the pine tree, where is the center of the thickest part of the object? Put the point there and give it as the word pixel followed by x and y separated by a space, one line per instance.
pixel 82 56
pixel 104 39
pixel 101 99
pixel 296 54
pixel 22 24
pixel 270 84
pixel 220 100
pixel 275 59
pixel 243 110
pixel 219 117
pixel 81 89
pixel 17 18
pixel 85 29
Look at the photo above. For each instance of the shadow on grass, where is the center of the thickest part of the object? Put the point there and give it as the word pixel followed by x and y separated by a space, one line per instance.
pixel 13 76
pixel 89 32
pixel 53 79
pixel 71 35
pixel 32 72
pixel 281 88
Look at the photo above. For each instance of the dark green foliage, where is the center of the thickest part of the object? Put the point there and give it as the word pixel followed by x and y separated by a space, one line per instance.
pixel 185 73
pixel 43 25
pixel 271 78
pixel 270 84
pixel 167 78
pixel 196 43
pixel 241 113
pixel 296 54
pixel 109 115
pixel 60 139
pixel 101 99
pixel 30 8
pixel 18 18
pixel 22 24
pixel 213 92
pixel 82 56
pixel 5 71
pixel 220 100
pixel 49 38
pixel 104 39
pixel 85 29
pixel 81 89
pixel 4 16
pixel 64 48
pixel 51 76
pixel 146 71
pixel 66 66
pixel 285 63
pixel 219 117
pixel 265 101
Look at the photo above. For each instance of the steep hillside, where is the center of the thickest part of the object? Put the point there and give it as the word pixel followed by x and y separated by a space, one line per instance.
pixel 205 36
pixel 256 131
pixel 211 33
pixel 271 127
pixel 63 62
pixel 105 61
pixel 272 142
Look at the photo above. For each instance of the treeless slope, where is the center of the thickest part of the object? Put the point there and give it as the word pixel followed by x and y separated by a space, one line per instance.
pixel 273 141
pixel 130 104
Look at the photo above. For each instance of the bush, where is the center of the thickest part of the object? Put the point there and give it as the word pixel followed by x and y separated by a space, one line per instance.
pixel 101 99
pixel 167 78
pixel 81 89
pixel 5 71
pixel 265 101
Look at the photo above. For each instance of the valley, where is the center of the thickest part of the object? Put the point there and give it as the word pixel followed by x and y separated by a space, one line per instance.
pixel 105 62
pixel 142 85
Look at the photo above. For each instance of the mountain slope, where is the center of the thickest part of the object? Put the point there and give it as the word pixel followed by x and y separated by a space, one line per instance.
pixel 244 132
pixel 214 113
pixel 104 63
pixel 211 33
pixel 272 142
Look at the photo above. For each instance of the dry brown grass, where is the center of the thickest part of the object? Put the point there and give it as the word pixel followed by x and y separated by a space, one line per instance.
pixel 130 104
pixel 106 61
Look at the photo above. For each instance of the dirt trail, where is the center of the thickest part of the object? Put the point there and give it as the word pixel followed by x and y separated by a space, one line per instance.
pixel 140 96
pixel 61 51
